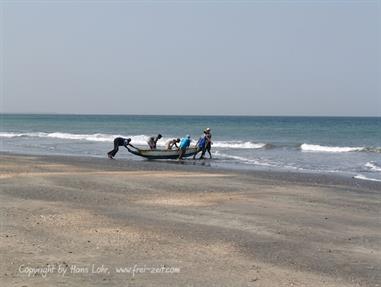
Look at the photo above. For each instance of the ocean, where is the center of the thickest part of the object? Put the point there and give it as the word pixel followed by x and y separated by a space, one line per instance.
pixel 335 145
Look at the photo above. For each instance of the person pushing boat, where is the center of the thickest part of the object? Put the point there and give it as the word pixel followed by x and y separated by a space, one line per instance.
pixel 153 141
pixel 172 143
pixel 184 144
pixel 119 141
pixel 201 145
pixel 204 144
pixel 208 144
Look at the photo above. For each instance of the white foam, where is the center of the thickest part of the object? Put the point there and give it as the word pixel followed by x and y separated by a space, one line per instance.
pixel 372 166
pixel 362 177
pixel 319 148
pixel 238 145
pixel 8 135
pixel 241 159
pixel 136 139
pixel 14 135
pixel 66 136
pixel 87 137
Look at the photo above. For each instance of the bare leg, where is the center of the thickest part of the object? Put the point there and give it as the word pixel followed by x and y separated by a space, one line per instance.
pixel 112 153
pixel 182 152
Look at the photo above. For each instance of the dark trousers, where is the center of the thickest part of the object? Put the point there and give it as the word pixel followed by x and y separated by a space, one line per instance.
pixel 200 149
pixel 206 149
pixel 117 143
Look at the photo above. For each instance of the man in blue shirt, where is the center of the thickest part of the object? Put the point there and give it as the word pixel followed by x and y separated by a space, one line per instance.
pixel 201 145
pixel 184 144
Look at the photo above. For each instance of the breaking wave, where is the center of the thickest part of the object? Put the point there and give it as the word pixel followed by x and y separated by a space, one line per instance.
pixel 372 166
pixel 98 137
pixel 319 148
pixel 363 177
pixel 142 140
pixel 67 136
pixel 137 139
pixel 238 144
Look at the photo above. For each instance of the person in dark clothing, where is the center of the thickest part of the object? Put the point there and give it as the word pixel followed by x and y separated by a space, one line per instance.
pixel 117 143
pixel 200 145
pixel 209 142
pixel 204 144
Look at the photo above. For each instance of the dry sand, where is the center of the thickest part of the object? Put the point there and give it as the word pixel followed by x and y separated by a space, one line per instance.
pixel 193 226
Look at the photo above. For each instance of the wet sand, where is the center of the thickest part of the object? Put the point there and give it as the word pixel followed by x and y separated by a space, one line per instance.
pixel 162 224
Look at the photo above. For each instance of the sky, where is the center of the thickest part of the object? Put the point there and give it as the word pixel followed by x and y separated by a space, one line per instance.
pixel 299 58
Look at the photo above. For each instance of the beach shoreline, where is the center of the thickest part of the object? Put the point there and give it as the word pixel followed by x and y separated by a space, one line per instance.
pixel 291 176
pixel 212 226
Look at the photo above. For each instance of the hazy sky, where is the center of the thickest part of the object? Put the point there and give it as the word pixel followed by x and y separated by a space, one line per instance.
pixel 192 57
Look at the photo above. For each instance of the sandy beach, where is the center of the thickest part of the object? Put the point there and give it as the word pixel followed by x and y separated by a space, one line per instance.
pixel 76 221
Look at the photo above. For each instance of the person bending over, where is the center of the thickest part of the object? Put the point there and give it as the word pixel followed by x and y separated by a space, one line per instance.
pixel 172 143
pixel 153 141
pixel 184 144
pixel 117 143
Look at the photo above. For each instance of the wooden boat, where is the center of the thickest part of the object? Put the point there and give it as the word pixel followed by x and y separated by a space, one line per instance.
pixel 161 153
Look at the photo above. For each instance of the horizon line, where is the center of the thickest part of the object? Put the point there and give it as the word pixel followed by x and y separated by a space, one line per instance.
pixel 186 115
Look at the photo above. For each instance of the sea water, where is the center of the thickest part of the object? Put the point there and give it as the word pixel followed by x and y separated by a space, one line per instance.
pixel 342 145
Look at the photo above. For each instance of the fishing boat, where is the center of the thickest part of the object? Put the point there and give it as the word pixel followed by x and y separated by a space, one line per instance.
pixel 161 153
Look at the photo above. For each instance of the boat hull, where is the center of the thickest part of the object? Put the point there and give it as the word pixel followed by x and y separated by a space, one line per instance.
pixel 161 153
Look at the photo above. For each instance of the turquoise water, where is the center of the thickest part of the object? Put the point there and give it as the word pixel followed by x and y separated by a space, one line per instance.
pixel 349 146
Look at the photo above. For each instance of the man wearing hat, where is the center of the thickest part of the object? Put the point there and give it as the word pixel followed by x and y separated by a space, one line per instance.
pixel 208 144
